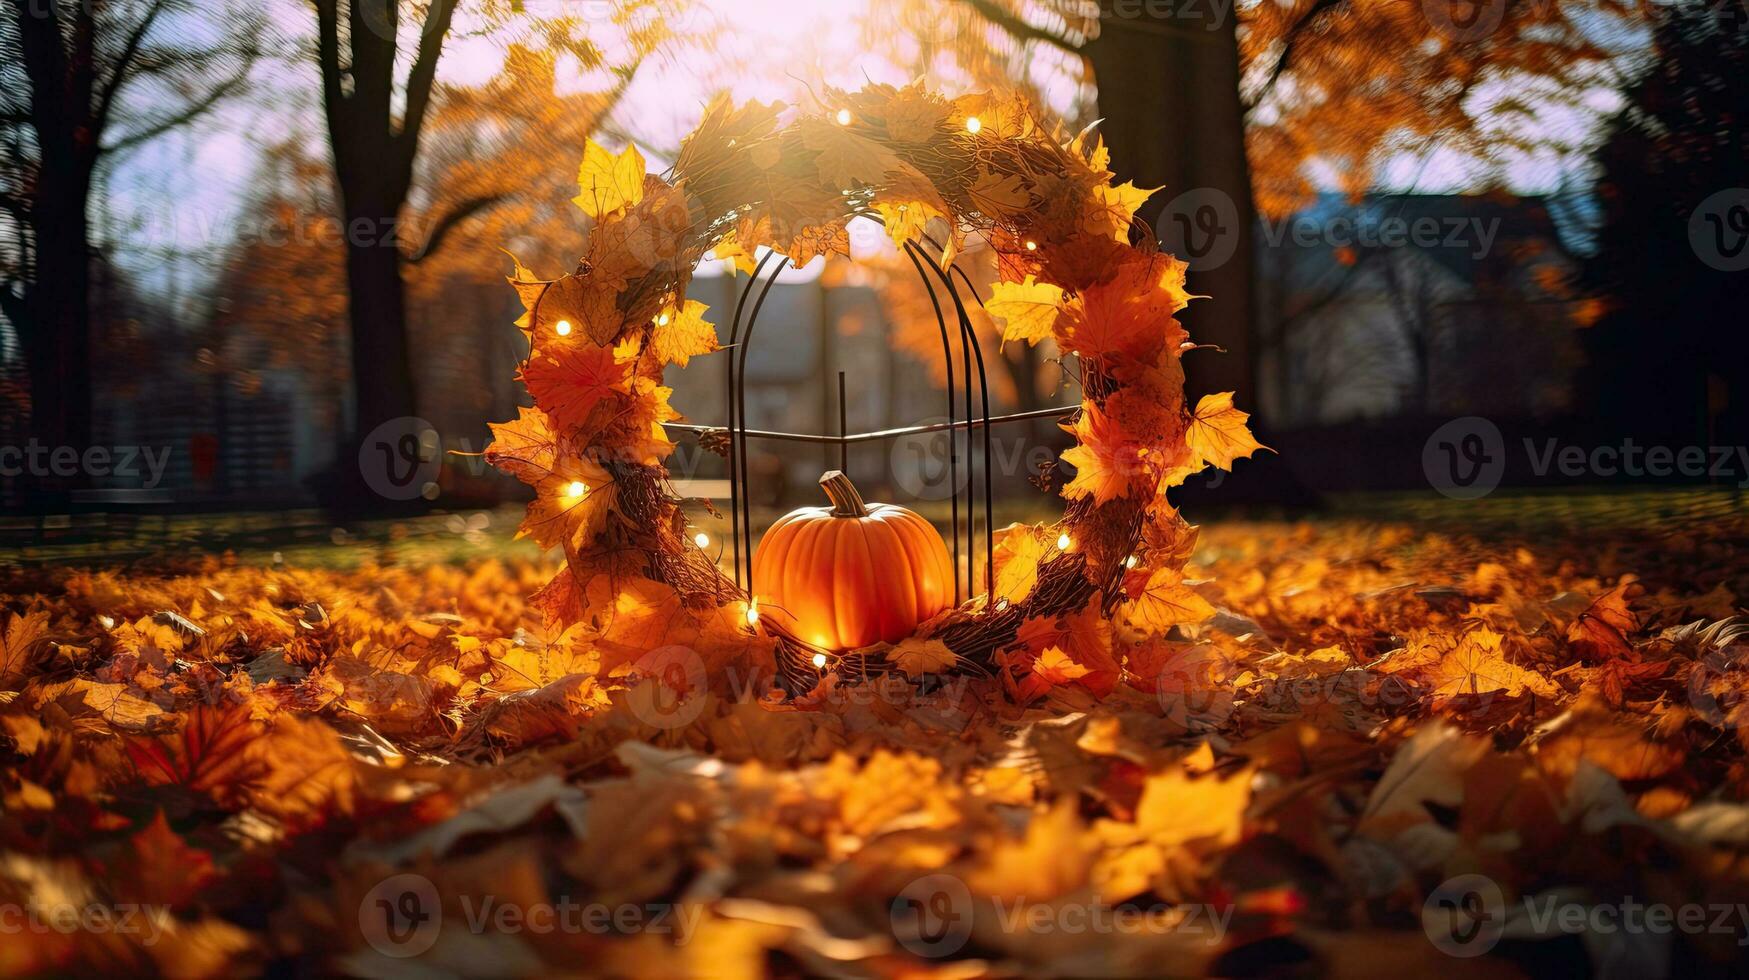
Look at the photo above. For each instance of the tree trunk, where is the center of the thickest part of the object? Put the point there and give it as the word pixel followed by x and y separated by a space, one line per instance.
pixel 1169 94
pixel 382 365
pixel 57 331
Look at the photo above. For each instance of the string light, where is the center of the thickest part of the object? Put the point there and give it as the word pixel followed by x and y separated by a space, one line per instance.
pixel 702 539
pixel 819 660
pixel 662 321
pixel 562 328
pixel 575 488
pixel 973 124
pixel 1130 562
pixel 1064 542
pixel 1031 246
pixel 843 117
pixel 753 613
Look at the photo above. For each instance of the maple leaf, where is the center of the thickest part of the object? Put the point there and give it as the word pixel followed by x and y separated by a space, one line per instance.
pixel 1019 549
pixel 999 194
pixel 20 643
pixel 1478 665
pixel 570 506
pixel 609 182
pixel 844 158
pixel 684 335
pixel 916 656
pixel 211 755
pixel 1027 309
pixel 1085 636
pixel 915 114
pixel 569 386
pixel 161 868
pixel 587 305
pixel 1108 465
pixel 1118 206
pixel 1159 600
pixel 1129 313
pixel 1601 631
pixel 524 447
pixel 1217 431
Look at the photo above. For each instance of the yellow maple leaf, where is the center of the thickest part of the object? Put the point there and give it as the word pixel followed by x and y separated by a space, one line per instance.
pixel 1056 667
pixel 1159 600
pixel 1478 666
pixel 1027 309
pixel 1118 207
pixel 19 643
pixel 1019 549
pixel 845 158
pixel 683 334
pixel 1218 433
pixel 916 656
pixel 608 183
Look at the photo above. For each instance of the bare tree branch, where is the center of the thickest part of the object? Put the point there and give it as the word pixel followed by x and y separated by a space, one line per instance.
pixel 1289 41
pixel 1016 27
pixel 423 76
pixel 194 110
pixel 121 70
pixel 458 214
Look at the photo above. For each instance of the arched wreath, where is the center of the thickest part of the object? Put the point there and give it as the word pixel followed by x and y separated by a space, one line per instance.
pixel 932 170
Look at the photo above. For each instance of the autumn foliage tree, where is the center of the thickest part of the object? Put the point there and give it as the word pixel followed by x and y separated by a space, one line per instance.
pixel 286 292
pixel 1256 101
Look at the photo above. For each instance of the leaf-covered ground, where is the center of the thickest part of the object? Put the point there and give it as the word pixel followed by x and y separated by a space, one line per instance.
pixel 1391 748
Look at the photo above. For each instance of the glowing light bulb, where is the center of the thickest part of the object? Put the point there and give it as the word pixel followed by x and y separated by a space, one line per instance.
pixel 1130 562
pixel 753 613
pixel 662 321
pixel 1031 246
pixel 973 124
pixel 575 488
pixel 701 539
pixel 843 117
pixel 819 660
pixel 562 328
pixel 1064 542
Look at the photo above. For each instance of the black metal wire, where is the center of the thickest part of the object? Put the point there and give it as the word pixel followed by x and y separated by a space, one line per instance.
pixel 953 468
pixel 746 480
pixel 736 490
pixel 969 343
pixel 984 387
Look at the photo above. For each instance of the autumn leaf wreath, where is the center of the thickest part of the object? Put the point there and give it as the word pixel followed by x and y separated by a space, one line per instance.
pixel 1070 601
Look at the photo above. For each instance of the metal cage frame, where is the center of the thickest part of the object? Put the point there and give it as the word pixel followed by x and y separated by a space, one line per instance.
pixel 740 342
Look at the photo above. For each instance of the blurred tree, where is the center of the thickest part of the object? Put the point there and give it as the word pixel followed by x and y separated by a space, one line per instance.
pixel 80 82
pixel 376 117
pixel 1669 358
pixel 512 142
pixel 1252 103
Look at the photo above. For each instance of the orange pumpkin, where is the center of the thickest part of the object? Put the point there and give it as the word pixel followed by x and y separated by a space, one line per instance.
pixel 852 574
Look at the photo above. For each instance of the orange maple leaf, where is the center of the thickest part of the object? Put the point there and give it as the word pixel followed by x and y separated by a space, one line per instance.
pixel 569 386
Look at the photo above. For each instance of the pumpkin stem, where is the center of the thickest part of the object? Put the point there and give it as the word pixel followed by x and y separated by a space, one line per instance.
pixel 846 501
